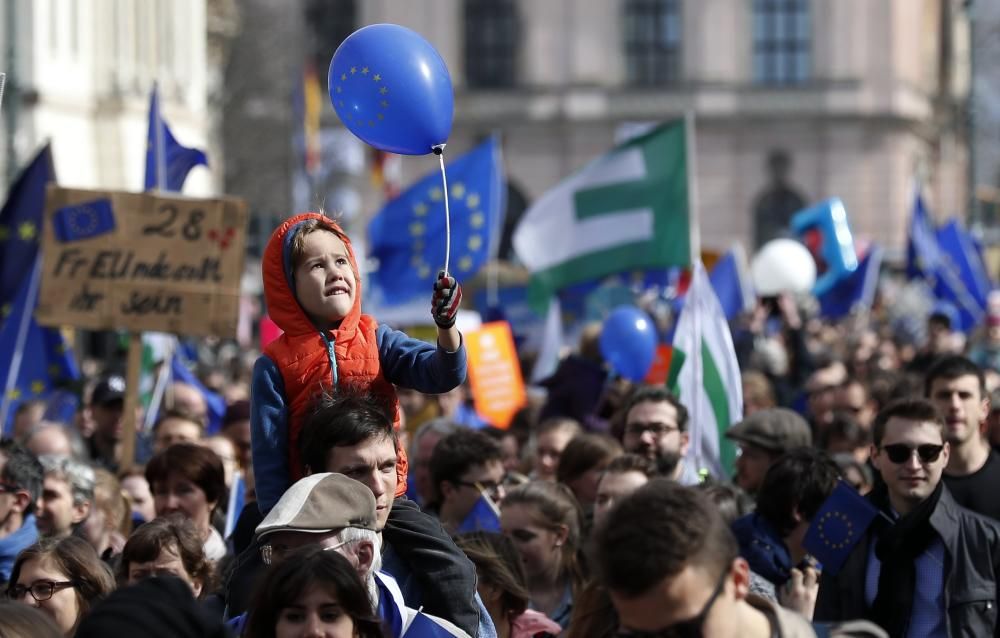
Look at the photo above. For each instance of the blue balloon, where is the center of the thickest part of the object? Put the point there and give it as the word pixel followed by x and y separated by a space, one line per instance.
pixel 391 88
pixel 628 342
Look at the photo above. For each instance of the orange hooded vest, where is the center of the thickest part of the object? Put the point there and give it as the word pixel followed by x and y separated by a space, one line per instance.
pixel 301 353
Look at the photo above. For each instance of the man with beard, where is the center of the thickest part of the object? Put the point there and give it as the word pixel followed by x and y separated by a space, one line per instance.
pixel 655 426
pixel 957 388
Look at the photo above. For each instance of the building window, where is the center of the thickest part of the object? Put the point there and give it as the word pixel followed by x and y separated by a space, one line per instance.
pixel 492 34
pixel 782 40
pixel 330 22
pixel 652 42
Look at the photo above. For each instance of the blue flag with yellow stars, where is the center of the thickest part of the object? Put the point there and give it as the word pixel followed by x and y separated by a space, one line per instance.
pixel 837 527
pixel 46 362
pixel 408 235
pixel 20 227
pixel 176 160
pixel 483 517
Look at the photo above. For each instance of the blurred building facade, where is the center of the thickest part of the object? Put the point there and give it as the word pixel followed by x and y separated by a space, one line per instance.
pixel 79 73
pixel 795 100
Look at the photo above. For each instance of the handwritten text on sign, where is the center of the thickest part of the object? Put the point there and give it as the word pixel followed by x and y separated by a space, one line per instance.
pixel 142 262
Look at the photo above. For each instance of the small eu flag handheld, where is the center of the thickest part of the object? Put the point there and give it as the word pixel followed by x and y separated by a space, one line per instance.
pixel 838 526
pixel 83 221
pixel 483 517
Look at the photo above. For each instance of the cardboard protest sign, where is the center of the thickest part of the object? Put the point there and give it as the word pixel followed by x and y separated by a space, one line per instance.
pixel 494 373
pixel 139 261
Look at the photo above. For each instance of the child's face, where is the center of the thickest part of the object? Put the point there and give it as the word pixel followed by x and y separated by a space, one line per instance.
pixel 324 280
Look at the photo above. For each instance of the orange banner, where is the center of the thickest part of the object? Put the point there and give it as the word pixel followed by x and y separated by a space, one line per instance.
pixel 494 373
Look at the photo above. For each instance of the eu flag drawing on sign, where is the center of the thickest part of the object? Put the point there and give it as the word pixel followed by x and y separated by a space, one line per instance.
pixel 46 363
pixel 20 226
pixel 83 221
pixel 408 234
pixel 837 527
pixel 483 517
pixel 167 165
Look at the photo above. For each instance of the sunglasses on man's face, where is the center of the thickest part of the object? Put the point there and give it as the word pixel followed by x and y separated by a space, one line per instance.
pixel 691 628
pixel 900 453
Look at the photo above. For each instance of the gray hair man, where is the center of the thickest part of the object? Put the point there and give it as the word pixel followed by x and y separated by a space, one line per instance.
pixel 67 492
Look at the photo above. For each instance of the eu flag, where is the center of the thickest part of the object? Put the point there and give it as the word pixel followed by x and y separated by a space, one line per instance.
pixel 83 221
pixel 422 626
pixel 408 235
pixel 958 247
pixel 46 363
pixel 837 527
pixel 483 517
pixel 215 402
pixel 168 166
pixel 730 285
pixel 20 226
pixel 856 290
pixel 926 260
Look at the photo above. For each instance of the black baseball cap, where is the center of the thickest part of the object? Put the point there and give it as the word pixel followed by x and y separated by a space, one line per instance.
pixel 109 390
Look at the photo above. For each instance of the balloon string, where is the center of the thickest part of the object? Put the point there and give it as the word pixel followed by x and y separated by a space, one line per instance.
pixel 447 215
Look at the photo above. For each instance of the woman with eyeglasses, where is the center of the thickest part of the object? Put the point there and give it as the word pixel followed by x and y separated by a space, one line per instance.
pixel 189 479
pixel 312 592
pixel 544 521
pixel 167 546
pixel 63 578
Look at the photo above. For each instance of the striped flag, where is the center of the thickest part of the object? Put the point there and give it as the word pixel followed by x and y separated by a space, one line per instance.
pixel 705 376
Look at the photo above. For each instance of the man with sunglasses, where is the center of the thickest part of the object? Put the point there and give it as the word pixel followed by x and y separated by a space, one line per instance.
pixel 464 466
pixel 957 386
pixel 20 487
pixel 933 572
pixel 672 568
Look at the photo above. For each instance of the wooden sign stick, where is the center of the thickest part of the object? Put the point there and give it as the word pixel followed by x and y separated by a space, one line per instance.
pixel 131 400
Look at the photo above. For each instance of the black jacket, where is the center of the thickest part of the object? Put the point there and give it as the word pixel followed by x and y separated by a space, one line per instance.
pixel 971 572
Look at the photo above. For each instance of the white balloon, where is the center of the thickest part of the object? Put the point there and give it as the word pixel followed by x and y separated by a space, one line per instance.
pixel 783 265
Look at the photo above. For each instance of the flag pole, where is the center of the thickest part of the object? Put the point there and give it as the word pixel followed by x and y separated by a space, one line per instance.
pixel 695 305
pixel 161 152
pixel 692 184
pixel 22 338
pixel 493 273
pixel 132 372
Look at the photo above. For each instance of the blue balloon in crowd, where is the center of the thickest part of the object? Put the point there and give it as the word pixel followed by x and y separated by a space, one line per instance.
pixel 628 342
pixel 391 88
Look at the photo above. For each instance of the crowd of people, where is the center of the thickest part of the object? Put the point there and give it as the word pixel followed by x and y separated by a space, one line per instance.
pixel 351 489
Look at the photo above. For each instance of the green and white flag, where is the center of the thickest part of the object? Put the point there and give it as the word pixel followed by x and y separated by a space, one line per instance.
pixel 626 210
pixel 705 376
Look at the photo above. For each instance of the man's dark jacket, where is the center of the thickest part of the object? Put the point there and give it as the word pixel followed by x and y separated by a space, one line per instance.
pixel 971 569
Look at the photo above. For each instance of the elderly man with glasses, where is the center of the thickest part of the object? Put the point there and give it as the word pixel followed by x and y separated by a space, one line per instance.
pixel 933 572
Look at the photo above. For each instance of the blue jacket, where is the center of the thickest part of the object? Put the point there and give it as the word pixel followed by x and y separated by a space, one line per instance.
pixel 11 546
pixel 763 548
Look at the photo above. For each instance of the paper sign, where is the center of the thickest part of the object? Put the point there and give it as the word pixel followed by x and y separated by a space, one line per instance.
pixel 494 373
pixel 138 261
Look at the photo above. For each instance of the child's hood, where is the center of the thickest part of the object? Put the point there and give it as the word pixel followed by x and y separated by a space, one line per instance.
pixel 279 289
